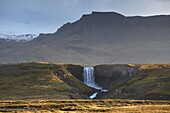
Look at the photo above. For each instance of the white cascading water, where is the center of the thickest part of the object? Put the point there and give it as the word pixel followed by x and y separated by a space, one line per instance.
pixel 88 75
pixel 89 79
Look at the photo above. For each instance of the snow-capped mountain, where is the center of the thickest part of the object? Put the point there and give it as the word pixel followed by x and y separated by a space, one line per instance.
pixel 18 38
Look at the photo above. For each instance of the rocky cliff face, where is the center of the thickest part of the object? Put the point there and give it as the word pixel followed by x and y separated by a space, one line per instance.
pixel 75 70
pixel 144 81
pixel 105 75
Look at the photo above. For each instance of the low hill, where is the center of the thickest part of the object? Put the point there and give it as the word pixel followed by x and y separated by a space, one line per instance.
pixel 143 81
pixel 41 81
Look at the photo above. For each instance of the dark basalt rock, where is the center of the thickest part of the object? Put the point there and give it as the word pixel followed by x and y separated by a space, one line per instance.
pixel 106 74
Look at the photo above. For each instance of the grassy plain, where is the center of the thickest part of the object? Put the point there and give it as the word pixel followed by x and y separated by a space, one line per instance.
pixel 79 106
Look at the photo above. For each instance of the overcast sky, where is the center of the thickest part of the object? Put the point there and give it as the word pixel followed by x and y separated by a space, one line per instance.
pixel 45 16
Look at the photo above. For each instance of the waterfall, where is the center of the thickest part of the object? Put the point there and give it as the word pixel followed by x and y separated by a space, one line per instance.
pixel 89 78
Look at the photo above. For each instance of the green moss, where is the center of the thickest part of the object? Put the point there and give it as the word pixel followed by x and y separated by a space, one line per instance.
pixel 39 81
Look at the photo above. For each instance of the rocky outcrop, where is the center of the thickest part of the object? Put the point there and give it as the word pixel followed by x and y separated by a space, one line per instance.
pixel 75 70
pixel 143 81
pixel 105 75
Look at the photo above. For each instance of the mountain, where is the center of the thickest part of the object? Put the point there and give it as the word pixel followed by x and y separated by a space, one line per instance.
pixel 18 38
pixel 99 38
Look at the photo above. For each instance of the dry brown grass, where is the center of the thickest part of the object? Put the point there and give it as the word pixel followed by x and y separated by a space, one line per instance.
pixel 40 80
pixel 154 66
pixel 78 106
pixel 143 109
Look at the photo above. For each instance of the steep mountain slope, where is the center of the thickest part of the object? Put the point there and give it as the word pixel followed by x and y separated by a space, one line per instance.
pixel 100 37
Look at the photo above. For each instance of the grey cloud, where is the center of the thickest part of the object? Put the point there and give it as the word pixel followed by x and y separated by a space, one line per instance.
pixel 48 15
pixel 26 22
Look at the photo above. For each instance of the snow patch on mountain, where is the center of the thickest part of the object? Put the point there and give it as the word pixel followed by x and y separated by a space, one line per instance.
pixel 18 38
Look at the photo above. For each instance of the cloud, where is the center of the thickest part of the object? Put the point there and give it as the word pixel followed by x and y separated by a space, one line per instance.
pixel 26 22
pixel 48 15
pixel 163 0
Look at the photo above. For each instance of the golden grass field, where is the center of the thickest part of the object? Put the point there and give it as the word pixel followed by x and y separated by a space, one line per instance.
pixel 81 106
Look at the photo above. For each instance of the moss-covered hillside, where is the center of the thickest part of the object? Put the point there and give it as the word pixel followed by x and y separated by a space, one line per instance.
pixel 149 81
pixel 41 81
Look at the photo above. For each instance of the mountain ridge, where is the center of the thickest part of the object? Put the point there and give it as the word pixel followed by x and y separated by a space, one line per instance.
pixel 100 38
